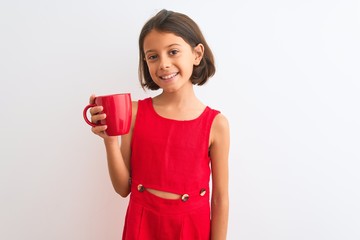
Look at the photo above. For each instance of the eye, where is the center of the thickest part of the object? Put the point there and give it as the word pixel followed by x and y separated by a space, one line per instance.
pixel 173 52
pixel 151 57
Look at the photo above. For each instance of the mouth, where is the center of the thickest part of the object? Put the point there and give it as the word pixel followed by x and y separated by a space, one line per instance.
pixel 167 77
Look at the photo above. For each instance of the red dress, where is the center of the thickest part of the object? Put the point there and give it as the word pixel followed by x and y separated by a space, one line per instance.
pixel 171 156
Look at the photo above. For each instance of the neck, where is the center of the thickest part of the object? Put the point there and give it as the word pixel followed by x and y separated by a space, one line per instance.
pixel 178 99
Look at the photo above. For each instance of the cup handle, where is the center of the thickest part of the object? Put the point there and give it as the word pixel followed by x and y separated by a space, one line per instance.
pixel 85 115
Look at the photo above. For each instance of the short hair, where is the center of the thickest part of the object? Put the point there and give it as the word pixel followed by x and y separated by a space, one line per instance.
pixel 182 26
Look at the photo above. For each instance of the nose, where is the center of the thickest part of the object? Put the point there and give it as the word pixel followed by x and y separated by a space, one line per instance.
pixel 165 63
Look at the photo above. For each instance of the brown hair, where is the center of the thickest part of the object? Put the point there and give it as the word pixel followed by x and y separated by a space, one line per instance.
pixel 184 27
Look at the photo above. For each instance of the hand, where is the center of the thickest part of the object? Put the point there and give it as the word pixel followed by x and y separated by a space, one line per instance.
pixel 97 116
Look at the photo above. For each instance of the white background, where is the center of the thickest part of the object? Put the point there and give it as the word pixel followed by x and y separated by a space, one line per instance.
pixel 287 79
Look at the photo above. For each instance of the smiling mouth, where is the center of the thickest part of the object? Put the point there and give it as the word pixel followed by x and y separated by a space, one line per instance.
pixel 167 77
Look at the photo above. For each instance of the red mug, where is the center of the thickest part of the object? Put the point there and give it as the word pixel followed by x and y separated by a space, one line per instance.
pixel 118 110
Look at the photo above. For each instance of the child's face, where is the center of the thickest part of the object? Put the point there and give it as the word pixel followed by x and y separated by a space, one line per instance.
pixel 170 59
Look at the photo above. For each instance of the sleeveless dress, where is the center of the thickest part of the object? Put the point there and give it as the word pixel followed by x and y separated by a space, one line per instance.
pixel 171 156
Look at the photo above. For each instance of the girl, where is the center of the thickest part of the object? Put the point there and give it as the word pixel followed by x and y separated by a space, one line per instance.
pixel 175 141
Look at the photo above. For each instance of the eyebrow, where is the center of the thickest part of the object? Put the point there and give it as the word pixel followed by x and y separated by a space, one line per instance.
pixel 171 45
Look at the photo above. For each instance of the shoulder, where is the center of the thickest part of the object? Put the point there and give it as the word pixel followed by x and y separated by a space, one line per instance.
pixel 139 104
pixel 134 109
pixel 136 104
pixel 142 102
pixel 220 123
pixel 220 129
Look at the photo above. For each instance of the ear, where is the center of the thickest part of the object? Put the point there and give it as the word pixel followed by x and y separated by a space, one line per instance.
pixel 199 53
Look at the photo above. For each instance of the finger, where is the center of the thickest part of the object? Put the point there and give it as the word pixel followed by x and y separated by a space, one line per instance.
pixel 99 130
pixel 103 134
pixel 92 99
pixel 98 117
pixel 96 110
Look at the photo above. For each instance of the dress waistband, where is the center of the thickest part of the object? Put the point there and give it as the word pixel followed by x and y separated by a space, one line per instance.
pixel 187 202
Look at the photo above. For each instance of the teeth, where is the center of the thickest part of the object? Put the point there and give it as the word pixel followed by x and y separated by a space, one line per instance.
pixel 169 76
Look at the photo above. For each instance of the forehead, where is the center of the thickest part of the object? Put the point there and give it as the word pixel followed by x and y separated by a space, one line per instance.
pixel 156 40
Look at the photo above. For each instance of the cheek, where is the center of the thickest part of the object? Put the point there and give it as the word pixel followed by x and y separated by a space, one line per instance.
pixel 151 67
pixel 152 70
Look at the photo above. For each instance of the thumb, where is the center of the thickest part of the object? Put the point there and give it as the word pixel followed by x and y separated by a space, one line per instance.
pixel 92 99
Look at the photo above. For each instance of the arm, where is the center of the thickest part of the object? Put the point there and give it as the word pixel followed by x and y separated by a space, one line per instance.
pixel 219 153
pixel 118 155
pixel 118 166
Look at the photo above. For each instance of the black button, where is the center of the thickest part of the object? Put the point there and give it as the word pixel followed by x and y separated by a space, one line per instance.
pixel 140 188
pixel 185 197
pixel 202 192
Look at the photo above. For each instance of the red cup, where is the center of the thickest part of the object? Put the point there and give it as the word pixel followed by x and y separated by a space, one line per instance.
pixel 118 110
